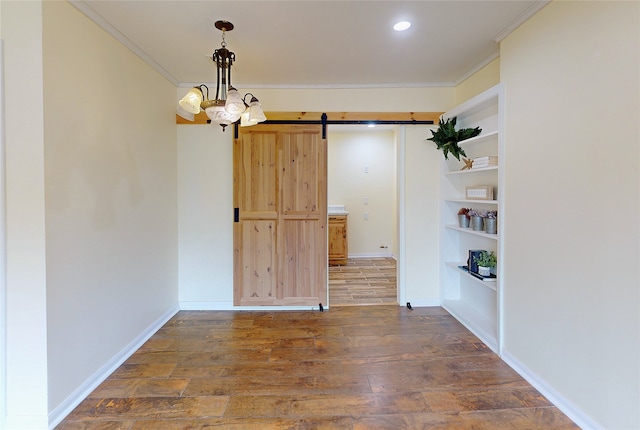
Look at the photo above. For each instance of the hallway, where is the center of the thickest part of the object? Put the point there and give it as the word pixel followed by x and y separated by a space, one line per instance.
pixel 363 281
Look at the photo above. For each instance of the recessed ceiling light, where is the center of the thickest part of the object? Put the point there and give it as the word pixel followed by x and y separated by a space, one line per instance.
pixel 402 26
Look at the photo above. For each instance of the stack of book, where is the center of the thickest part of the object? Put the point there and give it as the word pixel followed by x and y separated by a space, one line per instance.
pixel 484 162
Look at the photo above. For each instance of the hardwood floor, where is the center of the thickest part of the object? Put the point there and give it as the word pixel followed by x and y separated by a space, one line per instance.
pixel 355 367
pixel 363 281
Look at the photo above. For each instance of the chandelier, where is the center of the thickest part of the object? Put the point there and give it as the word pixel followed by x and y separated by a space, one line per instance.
pixel 228 106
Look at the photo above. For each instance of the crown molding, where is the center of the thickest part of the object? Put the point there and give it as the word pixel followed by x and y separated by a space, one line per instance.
pixel 478 67
pixel 532 10
pixel 323 86
pixel 94 16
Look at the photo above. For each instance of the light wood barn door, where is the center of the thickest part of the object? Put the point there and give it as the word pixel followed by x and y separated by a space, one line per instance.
pixel 280 233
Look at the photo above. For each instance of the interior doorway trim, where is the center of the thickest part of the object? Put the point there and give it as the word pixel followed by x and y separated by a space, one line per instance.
pixel 401 196
pixel 324 121
pixel 394 118
pixel 406 118
pixel 3 258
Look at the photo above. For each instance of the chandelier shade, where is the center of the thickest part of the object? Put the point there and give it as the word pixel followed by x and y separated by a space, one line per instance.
pixel 253 113
pixel 228 106
pixel 191 102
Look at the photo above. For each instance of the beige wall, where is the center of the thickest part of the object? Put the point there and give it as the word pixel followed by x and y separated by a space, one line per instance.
pixel 26 324
pixel 485 78
pixel 571 76
pixel 111 197
pixel 91 204
pixel 205 205
pixel 348 184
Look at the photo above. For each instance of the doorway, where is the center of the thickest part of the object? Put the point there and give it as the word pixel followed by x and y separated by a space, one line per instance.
pixel 362 177
pixel 364 282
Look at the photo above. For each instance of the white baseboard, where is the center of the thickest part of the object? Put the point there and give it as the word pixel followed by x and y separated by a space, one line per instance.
pixel 70 403
pixel 228 306
pixel 428 303
pixel 372 255
pixel 576 414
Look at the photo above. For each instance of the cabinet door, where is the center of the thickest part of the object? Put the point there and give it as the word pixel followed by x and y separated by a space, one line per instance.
pixel 337 240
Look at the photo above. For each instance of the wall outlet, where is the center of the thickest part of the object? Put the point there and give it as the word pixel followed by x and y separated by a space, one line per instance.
pixel 366 216
pixel 365 200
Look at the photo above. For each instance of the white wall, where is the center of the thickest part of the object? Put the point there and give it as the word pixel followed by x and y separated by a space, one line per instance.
pixel 421 218
pixel 483 79
pixel 571 75
pixel 205 184
pixel 26 354
pixel 205 204
pixel 348 184
pixel 110 164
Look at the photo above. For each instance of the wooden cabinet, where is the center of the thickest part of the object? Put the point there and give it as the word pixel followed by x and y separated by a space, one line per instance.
pixel 338 247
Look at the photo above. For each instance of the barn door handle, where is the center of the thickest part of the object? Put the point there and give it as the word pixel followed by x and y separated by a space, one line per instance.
pixel 236 214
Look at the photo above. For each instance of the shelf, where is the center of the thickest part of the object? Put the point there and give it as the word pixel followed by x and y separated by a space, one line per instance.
pixel 492 285
pixel 471 231
pixel 485 202
pixel 479 138
pixel 466 172
pixel 474 301
pixel 478 324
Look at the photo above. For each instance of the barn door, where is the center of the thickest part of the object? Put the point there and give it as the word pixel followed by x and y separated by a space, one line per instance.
pixel 280 200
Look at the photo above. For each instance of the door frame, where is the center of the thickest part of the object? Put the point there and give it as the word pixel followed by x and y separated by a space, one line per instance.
pixel 401 120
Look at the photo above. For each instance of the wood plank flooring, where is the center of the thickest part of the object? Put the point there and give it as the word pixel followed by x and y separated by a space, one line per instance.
pixel 363 281
pixel 353 367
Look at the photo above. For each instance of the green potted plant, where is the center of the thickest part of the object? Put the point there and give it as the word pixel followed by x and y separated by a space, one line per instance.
pixel 464 217
pixel 491 222
pixel 446 137
pixel 477 221
pixel 486 260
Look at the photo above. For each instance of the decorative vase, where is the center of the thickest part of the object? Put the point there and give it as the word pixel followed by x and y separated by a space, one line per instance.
pixel 476 223
pixel 484 271
pixel 463 221
pixel 491 225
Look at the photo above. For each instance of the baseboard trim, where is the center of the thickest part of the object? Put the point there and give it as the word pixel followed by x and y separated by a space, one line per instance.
pixel 71 402
pixel 428 303
pixel 228 306
pixel 373 255
pixel 576 414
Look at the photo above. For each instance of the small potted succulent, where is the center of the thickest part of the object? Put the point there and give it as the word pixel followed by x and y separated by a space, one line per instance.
pixel 491 222
pixel 486 261
pixel 477 223
pixel 464 217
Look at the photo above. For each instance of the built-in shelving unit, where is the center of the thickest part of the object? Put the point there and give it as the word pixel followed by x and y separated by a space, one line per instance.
pixel 474 302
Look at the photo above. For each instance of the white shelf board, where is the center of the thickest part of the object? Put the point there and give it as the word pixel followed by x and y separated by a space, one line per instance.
pixel 482 327
pixel 486 202
pixel 468 171
pixel 479 138
pixel 471 231
pixel 492 285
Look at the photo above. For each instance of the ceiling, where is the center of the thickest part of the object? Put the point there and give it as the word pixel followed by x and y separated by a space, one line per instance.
pixel 315 44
